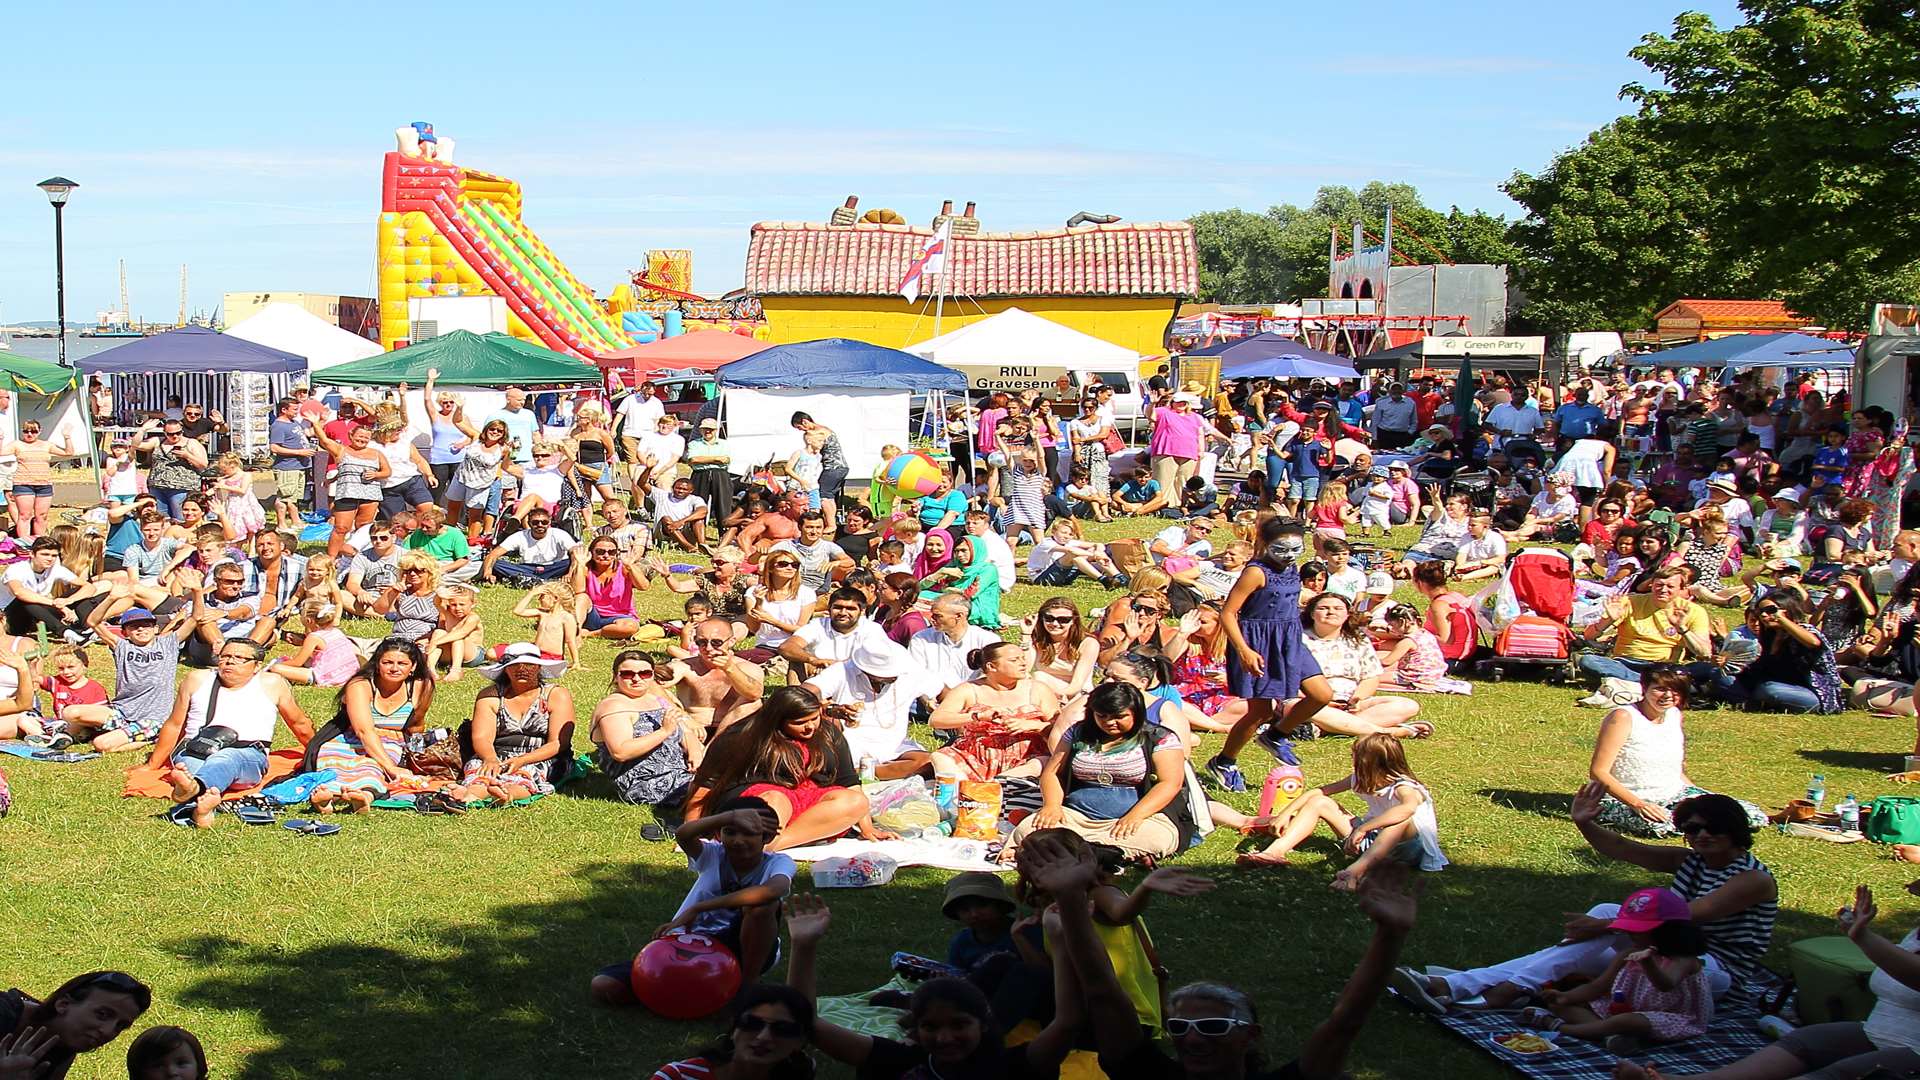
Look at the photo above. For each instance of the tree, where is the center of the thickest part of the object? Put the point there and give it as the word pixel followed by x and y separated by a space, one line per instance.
pixel 1240 257
pixel 1615 229
pixel 1810 109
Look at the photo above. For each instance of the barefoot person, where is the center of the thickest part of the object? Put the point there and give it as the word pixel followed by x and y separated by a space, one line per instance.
pixel 221 727
pixel 715 686
pixel 384 702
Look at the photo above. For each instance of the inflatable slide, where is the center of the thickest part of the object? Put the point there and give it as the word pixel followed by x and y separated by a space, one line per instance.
pixel 452 231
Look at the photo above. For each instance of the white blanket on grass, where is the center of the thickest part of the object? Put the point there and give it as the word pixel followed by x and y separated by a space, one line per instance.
pixel 946 853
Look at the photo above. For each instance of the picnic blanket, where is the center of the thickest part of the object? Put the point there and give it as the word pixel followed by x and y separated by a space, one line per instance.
pixel 148 782
pixel 945 853
pixel 1732 1036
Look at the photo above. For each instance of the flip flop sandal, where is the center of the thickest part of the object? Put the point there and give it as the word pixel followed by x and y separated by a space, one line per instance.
pixel 310 828
pixel 653 832
pixel 254 815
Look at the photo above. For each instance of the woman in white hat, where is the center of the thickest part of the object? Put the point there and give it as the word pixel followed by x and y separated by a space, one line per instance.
pixel 522 727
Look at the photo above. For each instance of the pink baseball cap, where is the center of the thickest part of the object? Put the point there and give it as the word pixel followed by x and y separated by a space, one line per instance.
pixel 1648 908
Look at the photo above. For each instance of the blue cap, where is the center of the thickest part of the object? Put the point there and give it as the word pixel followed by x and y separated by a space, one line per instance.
pixel 136 614
pixel 426 131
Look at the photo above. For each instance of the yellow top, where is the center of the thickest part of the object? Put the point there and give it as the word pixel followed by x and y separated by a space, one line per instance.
pixel 1647 633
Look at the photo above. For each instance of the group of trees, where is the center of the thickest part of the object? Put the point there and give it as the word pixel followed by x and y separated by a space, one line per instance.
pixel 1779 158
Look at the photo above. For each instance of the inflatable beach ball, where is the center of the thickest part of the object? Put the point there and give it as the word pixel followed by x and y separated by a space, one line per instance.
pixel 913 475
pixel 685 976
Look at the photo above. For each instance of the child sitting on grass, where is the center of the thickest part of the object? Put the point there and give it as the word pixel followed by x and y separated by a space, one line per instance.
pixel 67 687
pixel 556 628
pixel 460 638
pixel 736 894
pixel 1400 825
pixel 696 610
pixel 1656 992
pixel 145 661
pixel 1413 658
pixel 325 655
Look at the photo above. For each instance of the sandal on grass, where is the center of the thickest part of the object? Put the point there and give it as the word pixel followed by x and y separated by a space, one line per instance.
pixel 310 828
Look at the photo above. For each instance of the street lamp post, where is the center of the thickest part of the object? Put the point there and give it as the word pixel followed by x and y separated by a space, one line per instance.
pixel 58 189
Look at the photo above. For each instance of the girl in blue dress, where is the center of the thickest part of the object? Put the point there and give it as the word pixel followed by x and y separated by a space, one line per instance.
pixel 1267 660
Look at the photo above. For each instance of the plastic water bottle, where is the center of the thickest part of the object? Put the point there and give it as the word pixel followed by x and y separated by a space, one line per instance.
pixel 866 769
pixel 1817 791
pixel 1849 811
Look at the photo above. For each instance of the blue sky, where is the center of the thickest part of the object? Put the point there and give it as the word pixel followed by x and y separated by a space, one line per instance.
pixel 245 140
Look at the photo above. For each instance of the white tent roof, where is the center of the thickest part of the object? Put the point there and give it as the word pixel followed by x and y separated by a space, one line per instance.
pixel 1021 337
pixel 294 329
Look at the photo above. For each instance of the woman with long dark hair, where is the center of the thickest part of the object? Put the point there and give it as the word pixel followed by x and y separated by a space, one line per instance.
pixel 1795 671
pixel 767 1040
pixel 789 756
pixel 40 1038
pixel 1113 778
pixel 386 700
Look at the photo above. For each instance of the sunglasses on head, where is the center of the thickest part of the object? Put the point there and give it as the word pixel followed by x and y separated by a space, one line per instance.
pixel 1212 1027
pixel 782 1029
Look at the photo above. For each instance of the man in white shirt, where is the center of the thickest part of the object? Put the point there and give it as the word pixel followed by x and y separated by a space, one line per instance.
pixel 941 649
pixel 1189 538
pixel 999 552
pixel 1484 551
pixel 1510 421
pixel 538 552
pixel 832 637
pixel 682 516
pixel 819 557
pixel 1214 578
pixel 871 695
pixel 26 592
pixel 637 416
pixel 660 454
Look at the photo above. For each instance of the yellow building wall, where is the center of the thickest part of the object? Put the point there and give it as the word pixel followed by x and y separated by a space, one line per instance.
pixel 1137 323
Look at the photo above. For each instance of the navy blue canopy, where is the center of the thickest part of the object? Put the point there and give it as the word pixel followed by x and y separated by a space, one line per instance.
pixel 191 350
pixel 839 362
pixel 1271 356
pixel 1755 350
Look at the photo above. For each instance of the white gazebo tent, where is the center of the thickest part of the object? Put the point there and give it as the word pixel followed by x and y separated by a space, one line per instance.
pixel 294 329
pixel 1020 339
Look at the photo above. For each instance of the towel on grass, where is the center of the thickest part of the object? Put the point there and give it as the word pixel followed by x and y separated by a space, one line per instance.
pixel 20 748
pixel 945 853
pixel 150 782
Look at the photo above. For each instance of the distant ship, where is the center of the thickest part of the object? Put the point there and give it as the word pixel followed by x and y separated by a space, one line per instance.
pixel 115 324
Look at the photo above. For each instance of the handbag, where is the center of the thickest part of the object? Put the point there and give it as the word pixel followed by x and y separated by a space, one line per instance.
pixel 1113 442
pixel 1893 819
pixel 211 738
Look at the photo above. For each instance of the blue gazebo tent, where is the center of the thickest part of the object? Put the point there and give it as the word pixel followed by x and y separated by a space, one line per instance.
pixel 191 350
pixel 1272 356
pixel 839 362
pixel 1755 350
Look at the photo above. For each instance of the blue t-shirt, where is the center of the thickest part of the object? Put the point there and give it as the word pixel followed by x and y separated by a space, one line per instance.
pixel 293 435
pixel 522 427
pixel 1353 410
pixel 1139 491
pixel 1575 420
pixel 935 507
pixel 1830 463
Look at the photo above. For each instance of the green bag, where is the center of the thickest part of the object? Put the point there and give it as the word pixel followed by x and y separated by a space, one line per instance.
pixel 1830 977
pixel 1893 819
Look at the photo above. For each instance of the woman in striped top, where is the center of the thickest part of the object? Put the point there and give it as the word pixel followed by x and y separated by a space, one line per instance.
pixel 772 1026
pixel 1731 895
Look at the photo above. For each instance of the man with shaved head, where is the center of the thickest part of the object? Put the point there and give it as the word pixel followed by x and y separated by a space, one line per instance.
pixel 715 686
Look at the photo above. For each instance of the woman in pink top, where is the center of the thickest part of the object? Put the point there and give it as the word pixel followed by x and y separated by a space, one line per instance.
pixel 603 589
pixel 1179 436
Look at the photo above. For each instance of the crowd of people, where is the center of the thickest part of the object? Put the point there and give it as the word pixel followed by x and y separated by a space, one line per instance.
pixel 1264 607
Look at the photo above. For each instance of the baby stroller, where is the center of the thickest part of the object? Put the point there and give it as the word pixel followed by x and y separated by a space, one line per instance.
pixel 1527 615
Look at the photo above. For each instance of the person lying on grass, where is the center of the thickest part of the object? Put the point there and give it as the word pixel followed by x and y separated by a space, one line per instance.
pixel 736 894
pixel 40 1038
pixel 1213 1029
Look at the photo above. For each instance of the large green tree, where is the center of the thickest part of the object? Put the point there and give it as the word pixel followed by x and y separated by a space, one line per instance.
pixel 1616 228
pixel 1808 115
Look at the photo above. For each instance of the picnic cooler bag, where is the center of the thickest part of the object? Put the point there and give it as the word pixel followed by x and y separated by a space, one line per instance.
pixel 1893 819
pixel 1830 977
pixel 1532 637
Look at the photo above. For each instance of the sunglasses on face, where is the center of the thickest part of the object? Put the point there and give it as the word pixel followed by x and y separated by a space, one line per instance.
pixel 782 1029
pixel 1692 828
pixel 1211 1026
pixel 634 673
pixel 786 566
pixel 1056 620
pixel 1770 609
pixel 382 536
pixel 236 659
pixel 710 643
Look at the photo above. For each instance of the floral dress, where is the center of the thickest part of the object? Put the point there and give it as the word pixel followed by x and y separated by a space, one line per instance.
pixel 660 778
pixel 1679 1013
pixel 1202 681
pixel 1424 668
pixel 989 746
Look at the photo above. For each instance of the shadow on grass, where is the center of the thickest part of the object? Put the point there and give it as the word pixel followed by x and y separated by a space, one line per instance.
pixel 1866 760
pixel 1546 804
pixel 502 992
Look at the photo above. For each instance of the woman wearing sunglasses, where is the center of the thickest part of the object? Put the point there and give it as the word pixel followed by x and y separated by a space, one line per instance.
pixel 778 606
pixel 643 740
pixel 1795 671
pixel 772 1025
pixel 40 1039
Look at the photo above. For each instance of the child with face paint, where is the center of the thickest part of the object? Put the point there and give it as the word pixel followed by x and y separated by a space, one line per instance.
pixel 1268 661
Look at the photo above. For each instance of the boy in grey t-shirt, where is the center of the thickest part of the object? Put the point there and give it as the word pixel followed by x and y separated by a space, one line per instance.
pixel 144 663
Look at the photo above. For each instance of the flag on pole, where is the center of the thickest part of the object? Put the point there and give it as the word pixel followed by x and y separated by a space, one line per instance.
pixel 931 261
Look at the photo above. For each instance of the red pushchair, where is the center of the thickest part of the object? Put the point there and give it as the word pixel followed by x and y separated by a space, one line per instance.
pixel 1528 614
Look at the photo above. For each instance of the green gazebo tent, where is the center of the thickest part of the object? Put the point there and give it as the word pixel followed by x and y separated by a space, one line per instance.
pixel 465 359
pixel 23 374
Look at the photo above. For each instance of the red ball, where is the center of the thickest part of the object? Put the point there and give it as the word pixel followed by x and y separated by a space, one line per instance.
pixel 685 976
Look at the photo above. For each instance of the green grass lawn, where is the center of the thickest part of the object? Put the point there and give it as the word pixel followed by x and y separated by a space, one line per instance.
pixel 412 946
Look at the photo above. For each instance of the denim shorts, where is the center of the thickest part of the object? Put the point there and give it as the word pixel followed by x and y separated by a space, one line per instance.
pixel 44 491
pixel 1059 575
pixel 1306 488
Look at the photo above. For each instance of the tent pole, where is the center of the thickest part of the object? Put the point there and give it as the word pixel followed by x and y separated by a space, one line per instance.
pixel 93 450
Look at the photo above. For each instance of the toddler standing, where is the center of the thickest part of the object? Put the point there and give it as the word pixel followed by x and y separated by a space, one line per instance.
pixel 240 510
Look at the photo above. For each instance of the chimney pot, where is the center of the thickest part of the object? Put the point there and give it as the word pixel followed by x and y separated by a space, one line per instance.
pixel 852 201
pixel 970 206
pixel 946 208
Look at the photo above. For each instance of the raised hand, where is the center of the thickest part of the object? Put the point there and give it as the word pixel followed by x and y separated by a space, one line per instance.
pixel 1586 803
pixel 1863 912
pixel 1177 882
pixel 807 918
pixel 1056 868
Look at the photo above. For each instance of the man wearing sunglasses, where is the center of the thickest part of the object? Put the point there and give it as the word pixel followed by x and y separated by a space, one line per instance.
pixel 715 686
pixel 224 611
pixel 536 553
pixel 374 568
